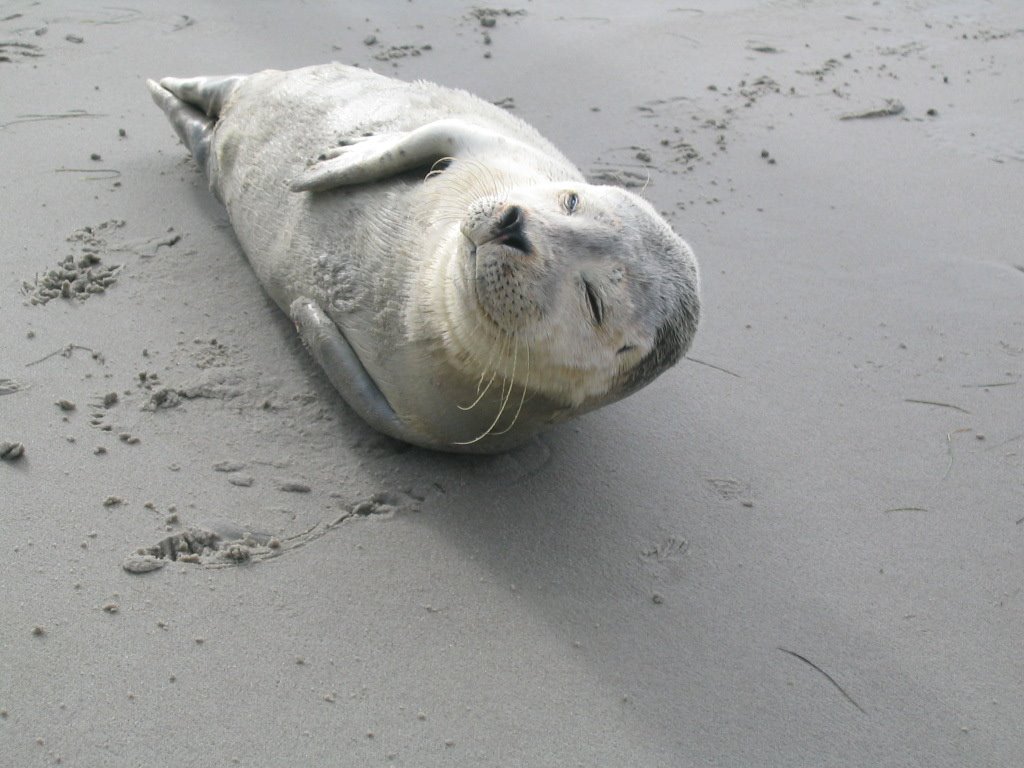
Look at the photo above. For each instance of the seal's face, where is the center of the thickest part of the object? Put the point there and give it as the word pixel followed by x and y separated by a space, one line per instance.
pixel 588 283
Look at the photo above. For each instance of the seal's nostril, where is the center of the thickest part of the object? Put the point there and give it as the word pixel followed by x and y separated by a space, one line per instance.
pixel 511 220
pixel 510 229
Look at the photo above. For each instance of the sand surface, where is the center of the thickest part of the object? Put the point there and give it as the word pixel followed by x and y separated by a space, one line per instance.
pixel 806 549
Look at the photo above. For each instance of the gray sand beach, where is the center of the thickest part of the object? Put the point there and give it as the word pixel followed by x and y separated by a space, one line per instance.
pixel 802 546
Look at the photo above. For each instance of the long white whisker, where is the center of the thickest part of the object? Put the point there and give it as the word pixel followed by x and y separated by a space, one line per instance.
pixel 504 401
pixel 483 392
pixel 522 398
pixel 497 351
pixel 480 394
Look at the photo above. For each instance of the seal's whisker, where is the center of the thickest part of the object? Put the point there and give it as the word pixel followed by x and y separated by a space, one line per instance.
pixel 458 185
pixel 480 181
pixel 435 171
pixel 522 398
pixel 509 378
pixel 483 392
pixel 480 383
pixel 504 400
pixel 494 358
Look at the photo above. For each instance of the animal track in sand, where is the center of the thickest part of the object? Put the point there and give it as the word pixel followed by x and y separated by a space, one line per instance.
pixel 226 545
pixel 728 489
pixel 668 548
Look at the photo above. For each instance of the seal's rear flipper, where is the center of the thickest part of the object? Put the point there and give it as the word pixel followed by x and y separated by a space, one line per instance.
pixel 193 126
pixel 209 94
pixel 193 105
pixel 345 371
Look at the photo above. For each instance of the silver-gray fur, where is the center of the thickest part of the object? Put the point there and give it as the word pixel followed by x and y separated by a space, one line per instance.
pixel 451 271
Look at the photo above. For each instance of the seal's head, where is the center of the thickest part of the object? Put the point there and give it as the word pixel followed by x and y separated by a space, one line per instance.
pixel 588 283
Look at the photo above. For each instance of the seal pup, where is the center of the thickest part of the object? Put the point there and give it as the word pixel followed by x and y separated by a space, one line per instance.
pixel 459 282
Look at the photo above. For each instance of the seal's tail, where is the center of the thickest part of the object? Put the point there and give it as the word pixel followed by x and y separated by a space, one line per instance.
pixel 193 105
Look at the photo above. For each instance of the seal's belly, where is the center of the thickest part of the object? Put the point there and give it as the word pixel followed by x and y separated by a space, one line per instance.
pixel 341 248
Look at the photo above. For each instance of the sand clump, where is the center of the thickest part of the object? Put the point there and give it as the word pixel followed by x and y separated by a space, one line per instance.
pixel 139 563
pixel 72 279
pixel 11 451
pixel 78 276
pixel 82 274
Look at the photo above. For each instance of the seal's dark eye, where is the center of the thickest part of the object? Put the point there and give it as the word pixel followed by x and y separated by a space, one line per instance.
pixel 594 300
pixel 570 202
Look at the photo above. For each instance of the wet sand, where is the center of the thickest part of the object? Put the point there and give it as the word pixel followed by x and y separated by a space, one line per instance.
pixel 803 546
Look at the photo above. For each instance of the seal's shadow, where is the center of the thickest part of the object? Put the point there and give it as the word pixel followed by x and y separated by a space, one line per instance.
pixel 568 525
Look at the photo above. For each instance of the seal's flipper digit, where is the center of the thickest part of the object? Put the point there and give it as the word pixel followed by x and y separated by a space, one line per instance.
pixel 193 126
pixel 342 366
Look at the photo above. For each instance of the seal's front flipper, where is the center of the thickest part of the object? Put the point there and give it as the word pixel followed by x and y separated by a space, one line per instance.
pixel 381 156
pixel 344 369
pixel 371 158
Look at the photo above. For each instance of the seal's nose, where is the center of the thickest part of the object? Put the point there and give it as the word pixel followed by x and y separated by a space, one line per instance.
pixel 511 229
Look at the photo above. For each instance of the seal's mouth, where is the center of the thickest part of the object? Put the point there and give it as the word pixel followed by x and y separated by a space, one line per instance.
pixel 476 267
